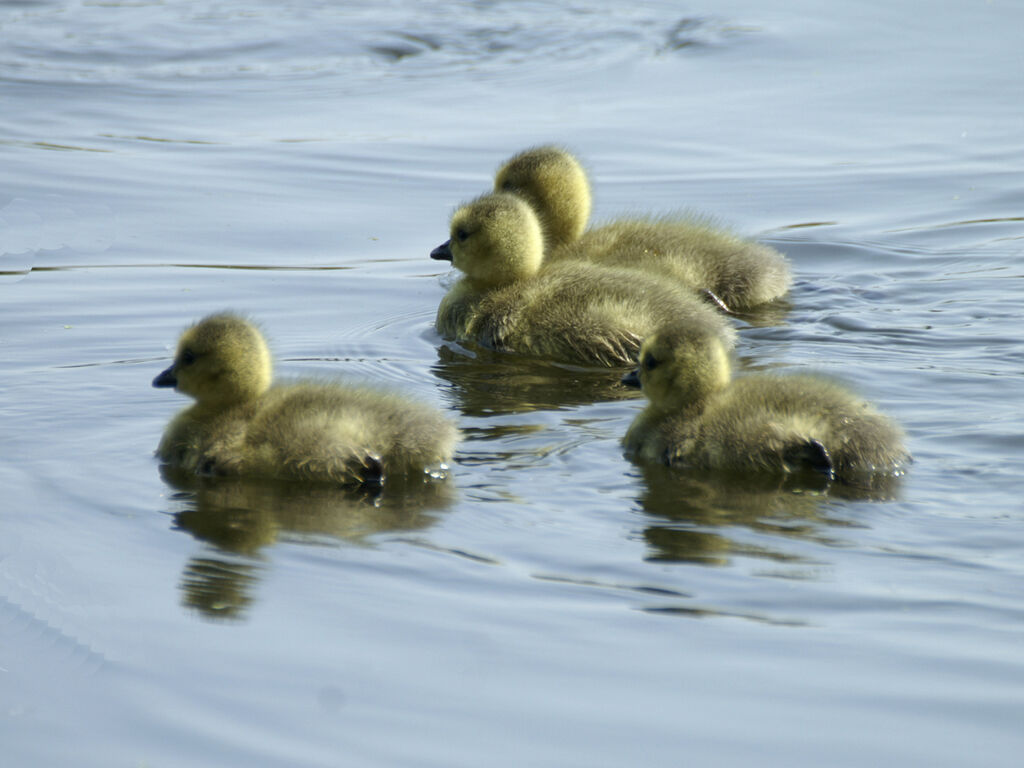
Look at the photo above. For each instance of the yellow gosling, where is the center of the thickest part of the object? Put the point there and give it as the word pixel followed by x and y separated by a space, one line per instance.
pixel 697 417
pixel 690 250
pixel 243 425
pixel 573 311
pixel 555 185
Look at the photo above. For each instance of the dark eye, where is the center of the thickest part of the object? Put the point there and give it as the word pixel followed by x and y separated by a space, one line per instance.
pixel 188 357
pixel 461 234
pixel 649 363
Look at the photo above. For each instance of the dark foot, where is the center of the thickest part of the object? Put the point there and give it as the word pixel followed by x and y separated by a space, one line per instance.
pixel 811 455
pixel 372 471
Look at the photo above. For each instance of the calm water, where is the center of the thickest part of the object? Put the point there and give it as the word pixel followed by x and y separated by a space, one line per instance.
pixel 553 605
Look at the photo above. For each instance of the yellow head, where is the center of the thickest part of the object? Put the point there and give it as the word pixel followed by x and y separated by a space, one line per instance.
pixel 555 185
pixel 221 360
pixel 680 366
pixel 495 240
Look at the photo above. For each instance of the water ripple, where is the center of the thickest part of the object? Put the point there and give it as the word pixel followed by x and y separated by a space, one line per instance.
pixel 166 43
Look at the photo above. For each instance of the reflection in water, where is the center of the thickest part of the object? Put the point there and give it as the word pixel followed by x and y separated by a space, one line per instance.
pixel 488 382
pixel 217 588
pixel 765 315
pixel 693 512
pixel 239 517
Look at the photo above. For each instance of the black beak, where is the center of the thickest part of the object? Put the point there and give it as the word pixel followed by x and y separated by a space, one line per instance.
pixel 632 379
pixel 443 252
pixel 166 379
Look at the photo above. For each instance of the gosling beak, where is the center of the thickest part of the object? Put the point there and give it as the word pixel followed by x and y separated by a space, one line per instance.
pixel 632 379
pixel 443 252
pixel 166 379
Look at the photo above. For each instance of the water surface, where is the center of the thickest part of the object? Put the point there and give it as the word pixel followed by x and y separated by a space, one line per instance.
pixel 553 604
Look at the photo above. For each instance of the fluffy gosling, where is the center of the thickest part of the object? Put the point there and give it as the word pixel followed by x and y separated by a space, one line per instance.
pixel 692 251
pixel 698 417
pixel 243 425
pixel 572 311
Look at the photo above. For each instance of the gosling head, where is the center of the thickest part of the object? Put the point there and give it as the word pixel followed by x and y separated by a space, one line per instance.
pixel 495 240
pixel 680 366
pixel 554 183
pixel 221 360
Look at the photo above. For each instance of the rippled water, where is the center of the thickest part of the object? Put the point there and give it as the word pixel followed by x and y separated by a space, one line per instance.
pixel 553 604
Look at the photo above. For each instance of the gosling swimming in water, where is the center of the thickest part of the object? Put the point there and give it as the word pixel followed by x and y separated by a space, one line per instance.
pixel 698 418
pixel 241 424
pixel 555 185
pixel 693 251
pixel 573 311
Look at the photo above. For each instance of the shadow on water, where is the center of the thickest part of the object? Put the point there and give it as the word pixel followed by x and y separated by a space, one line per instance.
pixel 692 513
pixel 241 517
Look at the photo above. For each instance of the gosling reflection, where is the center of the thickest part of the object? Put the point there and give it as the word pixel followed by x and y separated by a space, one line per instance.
pixel 770 315
pixel 692 514
pixel 488 383
pixel 239 518
pixel 217 589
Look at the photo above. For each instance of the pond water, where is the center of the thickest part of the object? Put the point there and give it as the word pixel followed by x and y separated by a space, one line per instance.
pixel 553 604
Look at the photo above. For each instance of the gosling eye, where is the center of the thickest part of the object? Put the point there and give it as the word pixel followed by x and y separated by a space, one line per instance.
pixel 461 234
pixel 188 357
pixel 649 363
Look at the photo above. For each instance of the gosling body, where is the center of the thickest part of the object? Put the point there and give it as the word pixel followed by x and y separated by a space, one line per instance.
pixel 697 417
pixel 689 250
pixel 572 311
pixel 243 425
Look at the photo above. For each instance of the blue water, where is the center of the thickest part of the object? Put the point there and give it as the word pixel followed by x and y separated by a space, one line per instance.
pixel 553 605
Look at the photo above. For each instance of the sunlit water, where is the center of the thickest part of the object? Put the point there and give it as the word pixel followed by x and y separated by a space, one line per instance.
pixel 552 604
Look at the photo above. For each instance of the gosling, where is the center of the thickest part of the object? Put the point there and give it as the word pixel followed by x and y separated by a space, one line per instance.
pixel 555 185
pixel 740 273
pixel 572 312
pixel 242 425
pixel 697 418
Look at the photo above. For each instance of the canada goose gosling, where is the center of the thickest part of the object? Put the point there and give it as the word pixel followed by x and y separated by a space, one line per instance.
pixel 698 417
pixel 555 185
pixel 573 311
pixel 733 272
pixel 241 424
